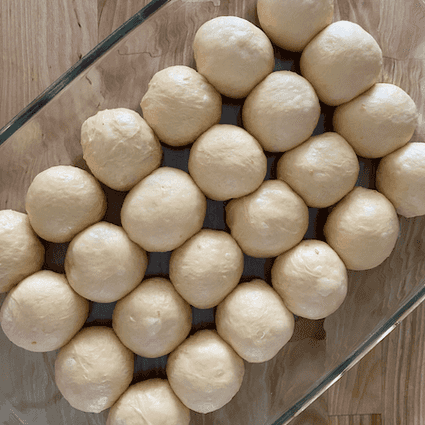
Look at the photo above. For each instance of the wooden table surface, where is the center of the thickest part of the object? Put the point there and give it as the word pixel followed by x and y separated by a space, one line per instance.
pixel 41 39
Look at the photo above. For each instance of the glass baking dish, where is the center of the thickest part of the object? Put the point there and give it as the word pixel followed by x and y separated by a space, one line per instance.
pixel 116 74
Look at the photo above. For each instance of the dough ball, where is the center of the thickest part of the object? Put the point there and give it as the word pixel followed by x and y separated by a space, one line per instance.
pixel 341 62
pixel 22 252
pixel 269 221
pixel 42 313
pixel 103 265
pixel 163 210
pixel 180 104
pixel 94 369
pixel 401 178
pixel 311 279
pixel 150 402
pixel 378 121
pixel 205 372
pixel 62 201
pixel 322 170
pixel 362 228
pixel 153 319
pixel 119 147
pixel 254 320
pixel 291 24
pixel 282 111
pixel 233 55
pixel 227 162
pixel 206 268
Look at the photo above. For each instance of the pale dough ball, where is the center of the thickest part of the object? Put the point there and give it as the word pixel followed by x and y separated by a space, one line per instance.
pixel 206 268
pixel 180 104
pixel 322 170
pixel 269 221
pixel 119 147
pixel 291 24
pixel 227 162
pixel 401 178
pixel 42 313
pixel 341 62
pixel 103 264
pixel 311 279
pixel 282 111
pixel 233 55
pixel 153 319
pixel 254 320
pixel 378 121
pixel 23 252
pixel 163 210
pixel 362 228
pixel 151 402
pixel 205 372
pixel 62 201
pixel 94 369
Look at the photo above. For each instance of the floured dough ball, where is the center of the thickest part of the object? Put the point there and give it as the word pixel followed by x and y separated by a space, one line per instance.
pixel 282 111
pixel 164 210
pixel 378 121
pixel 401 178
pixel 94 369
pixel 206 268
pixel 62 201
pixel 180 104
pixel 311 279
pixel 341 62
pixel 205 372
pixel 362 228
pixel 42 313
pixel 322 170
pixel 119 147
pixel 153 319
pixel 227 162
pixel 103 265
pixel 21 251
pixel 291 24
pixel 269 221
pixel 254 320
pixel 150 402
pixel 233 54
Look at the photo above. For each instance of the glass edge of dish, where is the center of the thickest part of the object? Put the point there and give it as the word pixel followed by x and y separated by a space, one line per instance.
pixel 374 339
pixel 74 71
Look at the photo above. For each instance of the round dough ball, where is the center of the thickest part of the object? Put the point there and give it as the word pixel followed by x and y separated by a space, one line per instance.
pixel 103 265
pixel 401 178
pixel 94 369
pixel 291 24
pixel 227 162
pixel 206 268
pixel 22 253
pixel 254 320
pixel 362 228
pixel 233 55
pixel 62 201
pixel 163 210
pixel 205 372
pixel 180 104
pixel 153 319
pixel 119 147
pixel 269 221
pixel 150 402
pixel 322 170
pixel 311 279
pixel 42 313
pixel 282 111
pixel 378 121
pixel 341 62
